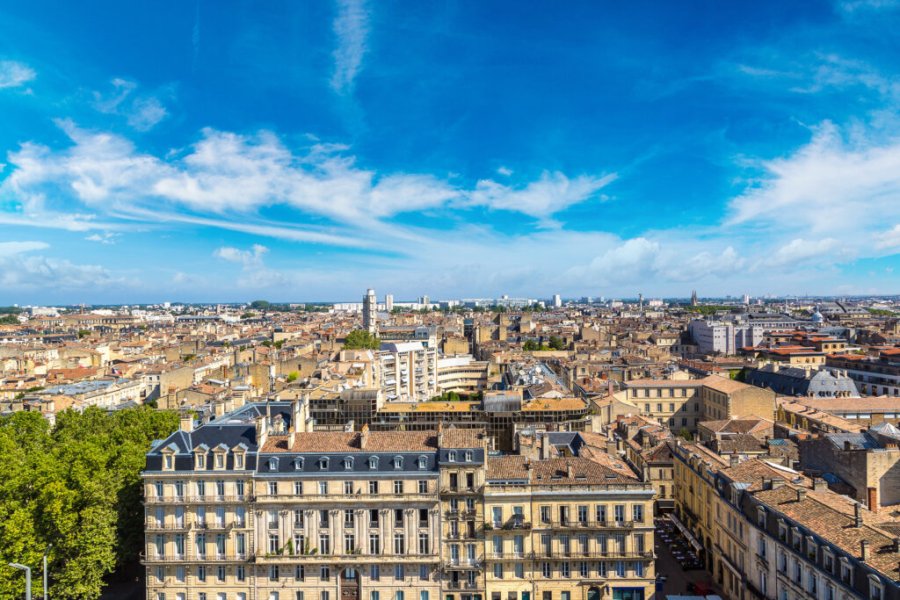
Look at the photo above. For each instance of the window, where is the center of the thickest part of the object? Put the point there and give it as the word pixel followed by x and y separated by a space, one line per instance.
pixel 323 488
pixel 323 463
pixel 564 569
pixel 298 488
pixel 601 513
pixel 349 543
pixel 375 572
pixel 324 543
pixel 298 464
pixel 274 543
pixel 620 513
pixel 620 568
pixel 373 463
pixel 399 572
pixel 399 543
pixel 469 456
pixel 423 463
pixel 374 543
pixel 398 462
pixel 373 487
pixel 373 595
pixel 323 595
pixel 273 572
pixel 638 569
pixel 348 488
pixel 498 570
pixel 398 487
pixel 637 511
pixel 424 545
pixel 545 569
pixel 348 463
pixel 325 574
pixel 451 456
pixel 423 487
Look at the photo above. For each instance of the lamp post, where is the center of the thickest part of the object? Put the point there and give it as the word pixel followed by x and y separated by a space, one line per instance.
pixel 46 552
pixel 27 578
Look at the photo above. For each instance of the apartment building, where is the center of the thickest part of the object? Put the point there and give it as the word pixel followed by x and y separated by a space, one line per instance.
pixel 873 376
pixel 567 528
pixel 253 505
pixel 682 404
pixel 409 371
pixel 768 532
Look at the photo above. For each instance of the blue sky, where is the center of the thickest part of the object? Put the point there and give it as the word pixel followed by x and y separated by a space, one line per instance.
pixel 226 151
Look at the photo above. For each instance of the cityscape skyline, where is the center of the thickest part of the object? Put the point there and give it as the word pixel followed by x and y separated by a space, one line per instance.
pixel 298 150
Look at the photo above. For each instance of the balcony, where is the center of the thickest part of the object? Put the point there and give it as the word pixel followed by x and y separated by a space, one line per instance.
pixel 577 554
pixel 156 526
pixel 464 564
pixel 505 556
pixel 570 524
pixel 152 559
pixel 209 499
pixel 463 585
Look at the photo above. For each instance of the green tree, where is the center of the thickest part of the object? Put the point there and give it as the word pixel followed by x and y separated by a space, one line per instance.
pixel 360 339
pixel 292 376
pixel 557 343
pixel 530 346
pixel 77 487
pixel 260 305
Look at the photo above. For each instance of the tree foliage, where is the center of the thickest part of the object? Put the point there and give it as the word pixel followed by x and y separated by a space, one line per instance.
pixel 360 339
pixel 77 487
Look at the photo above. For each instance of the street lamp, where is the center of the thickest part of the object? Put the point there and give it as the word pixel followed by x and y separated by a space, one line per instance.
pixel 27 578
pixel 46 552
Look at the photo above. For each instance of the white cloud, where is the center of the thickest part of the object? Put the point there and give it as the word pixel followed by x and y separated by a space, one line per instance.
pixel 247 258
pixel 142 112
pixel 798 251
pixel 550 194
pixel 11 248
pixel 828 187
pixel 505 171
pixel 15 74
pixel 106 238
pixel 351 27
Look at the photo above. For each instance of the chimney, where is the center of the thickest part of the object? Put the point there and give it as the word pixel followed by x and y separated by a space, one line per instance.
pixel 187 422
pixel 777 482
pixel 734 460
pixel 847 446
pixel 819 485
pixel 801 494
pixel 897 544
pixel 364 436
pixel 219 409
pixel 527 463
pixel 872 496
pixel 262 431
pixel 545 451
pixel 440 434
pixel 864 550
pixel 857 515
pixel 569 472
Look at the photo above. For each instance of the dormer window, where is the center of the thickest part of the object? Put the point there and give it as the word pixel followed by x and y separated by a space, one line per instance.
pixel 398 462
pixel 846 570
pixel 761 516
pixel 298 464
pixel 239 460
pixel 168 462
pixel 876 588
pixel 373 462
pixel 452 456
pixel 348 463
pixel 273 464
pixel 201 461
pixel 220 460
pixel 469 455
pixel 323 463
pixel 423 463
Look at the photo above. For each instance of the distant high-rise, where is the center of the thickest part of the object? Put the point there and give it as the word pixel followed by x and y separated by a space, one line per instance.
pixel 694 301
pixel 370 317
pixel 423 300
pixel 388 302
pixel 557 301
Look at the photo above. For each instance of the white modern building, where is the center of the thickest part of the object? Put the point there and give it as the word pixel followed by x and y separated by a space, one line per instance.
pixel 370 314
pixel 409 372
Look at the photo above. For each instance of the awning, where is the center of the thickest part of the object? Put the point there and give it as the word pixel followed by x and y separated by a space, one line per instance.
pixel 687 533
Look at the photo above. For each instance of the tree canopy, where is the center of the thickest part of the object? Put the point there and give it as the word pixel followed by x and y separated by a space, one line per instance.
pixel 78 487
pixel 360 339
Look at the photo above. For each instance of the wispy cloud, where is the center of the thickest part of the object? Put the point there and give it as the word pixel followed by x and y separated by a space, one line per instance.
pixel 107 238
pixel 15 74
pixel 141 111
pixel 351 28
pixel 248 258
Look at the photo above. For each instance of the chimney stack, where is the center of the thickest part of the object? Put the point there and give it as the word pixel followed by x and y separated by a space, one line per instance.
pixel 801 494
pixel 864 550
pixel 262 431
pixel 819 484
pixel 569 470
pixel 857 515
pixel 364 436
pixel 187 422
